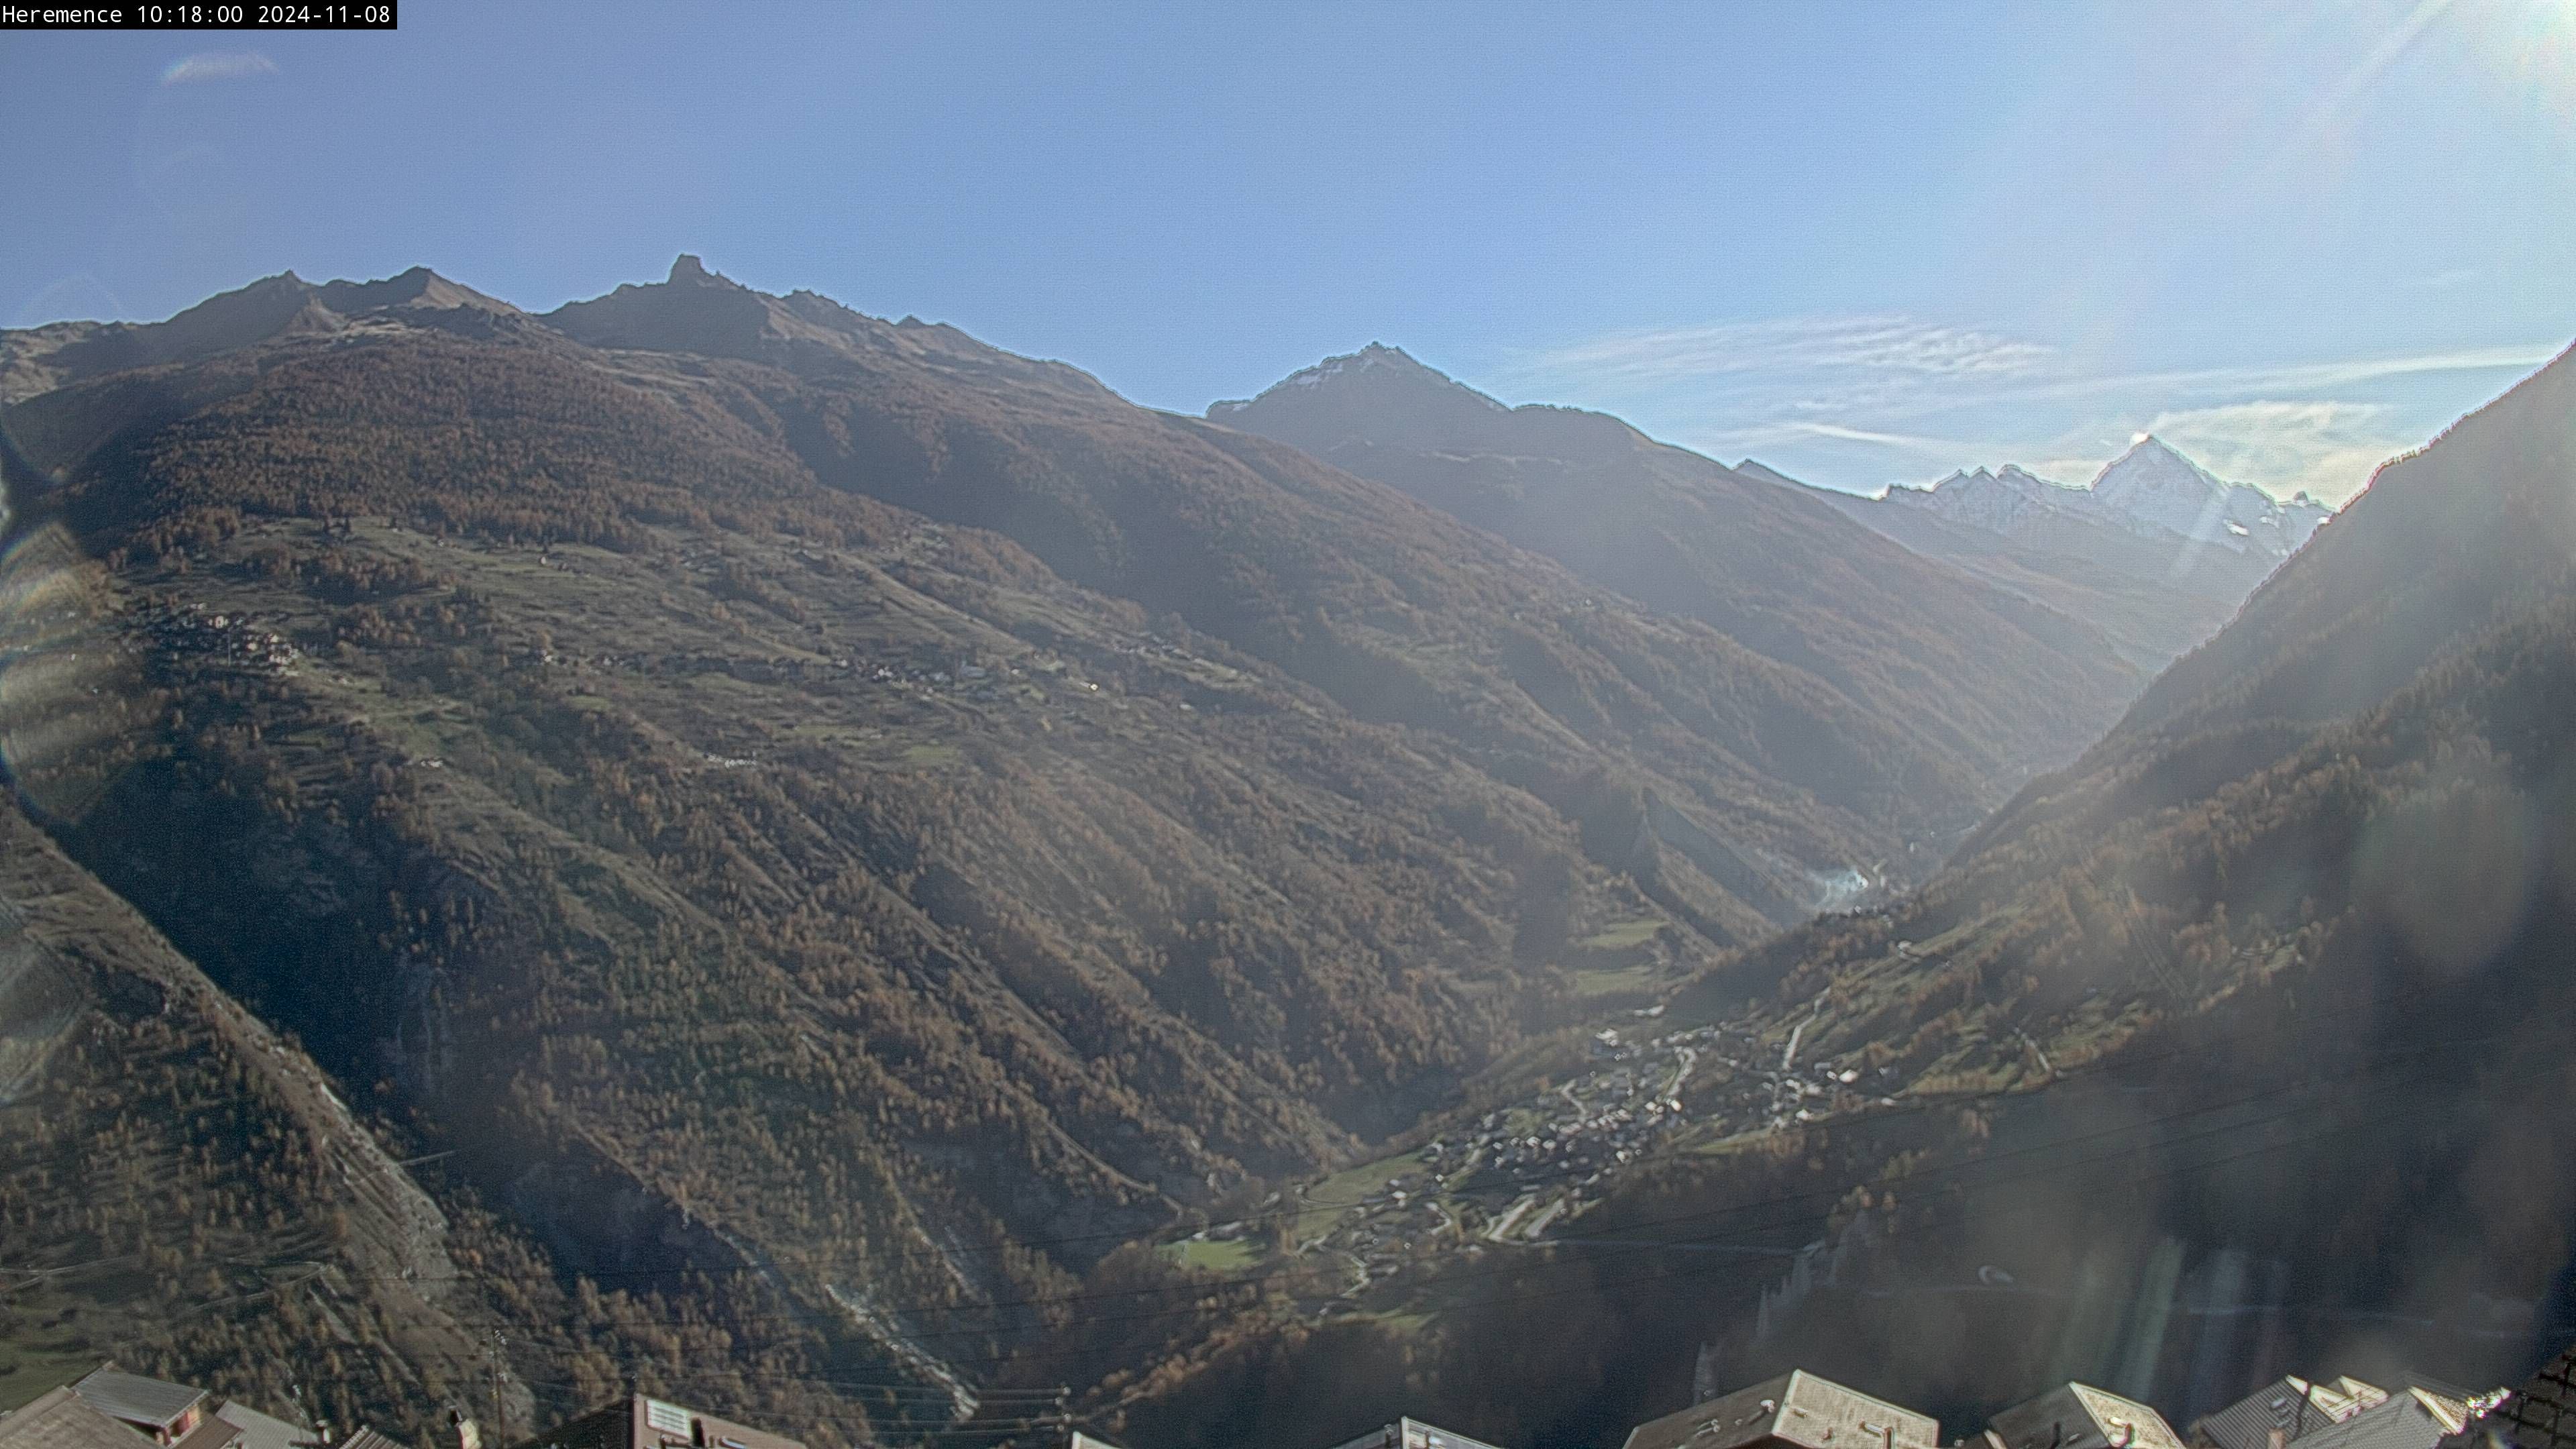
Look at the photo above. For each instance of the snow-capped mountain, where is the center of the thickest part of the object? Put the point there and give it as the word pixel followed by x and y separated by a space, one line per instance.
pixel 2001 501
pixel 2150 489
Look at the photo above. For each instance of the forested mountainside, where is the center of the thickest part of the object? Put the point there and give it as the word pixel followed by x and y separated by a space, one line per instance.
pixel 2240 1042
pixel 180 1187
pixel 185 1190
pixel 821 831
pixel 2309 899
pixel 1998 681
pixel 822 828
pixel 1740 789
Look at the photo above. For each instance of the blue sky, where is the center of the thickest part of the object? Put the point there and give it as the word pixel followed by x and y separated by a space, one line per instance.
pixel 1863 242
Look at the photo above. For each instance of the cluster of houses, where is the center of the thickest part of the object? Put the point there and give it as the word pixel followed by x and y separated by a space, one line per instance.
pixel 194 630
pixel 1799 1410
pixel 1519 1171
pixel 111 1409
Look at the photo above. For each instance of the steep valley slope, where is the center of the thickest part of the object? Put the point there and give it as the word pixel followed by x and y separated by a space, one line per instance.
pixel 2236 1047
pixel 181 1188
pixel 821 829
pixel 1992 678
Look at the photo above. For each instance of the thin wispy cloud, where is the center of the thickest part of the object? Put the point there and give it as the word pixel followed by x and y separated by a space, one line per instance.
pixel 1906 399
pixel 1791 430
pixel 1864 435
pixel 1915 369
pixel 1867 344
pixel 217 65
pixel 2326 449
pixel 2304 376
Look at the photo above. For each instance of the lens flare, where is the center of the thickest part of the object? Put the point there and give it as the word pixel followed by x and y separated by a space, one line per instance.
pixel 69 686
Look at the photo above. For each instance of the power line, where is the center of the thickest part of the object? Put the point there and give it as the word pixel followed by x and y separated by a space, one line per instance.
pixel 1920 1105
pixel 1639 1248
pixel 1828 1192
pixel 1738 1267
pixel 1737 1270
pixel 1741 1270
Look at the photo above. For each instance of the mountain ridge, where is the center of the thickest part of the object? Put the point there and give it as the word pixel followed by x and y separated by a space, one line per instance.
pixel 854 817
pixel 836 826
pixel 2149 489
pixel 2005 676
pixel 2155 593
pixel 2228 1047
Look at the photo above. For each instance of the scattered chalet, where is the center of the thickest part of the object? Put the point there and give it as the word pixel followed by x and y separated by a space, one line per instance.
pixel 1794 1411
pixel 2344 1414
pixel 112 1409
pixel 61 1419
pixel 1402 1434
pixel 639 1422
pixel 168 1414
pixel 2290 1407
pixel 2079 1416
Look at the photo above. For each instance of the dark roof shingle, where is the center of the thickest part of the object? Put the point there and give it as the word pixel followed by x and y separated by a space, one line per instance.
pixel 2539 1415
pixel 2290 1404
pixel 2079 1416
pixel 2417 1419
pixel 136 1399
pixel 1797 1408
pixel 62 1419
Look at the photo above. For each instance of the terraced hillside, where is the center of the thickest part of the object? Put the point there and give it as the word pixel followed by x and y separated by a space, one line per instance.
pixel 182 1188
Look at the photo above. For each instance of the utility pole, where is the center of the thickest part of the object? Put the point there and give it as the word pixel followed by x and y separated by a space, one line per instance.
pixel 500 1406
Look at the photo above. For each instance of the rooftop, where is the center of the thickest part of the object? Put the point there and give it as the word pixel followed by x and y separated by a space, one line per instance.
pixel 263 1431
pixel 211 1433
pixel 1408 1434
pixel 2539 1415
pixel 136 1399
pixel 2416 1419
pixel 61 1419
pixel 2290 1404
pixel 2079 1416
pixel 1796 1408
pixel 638 1422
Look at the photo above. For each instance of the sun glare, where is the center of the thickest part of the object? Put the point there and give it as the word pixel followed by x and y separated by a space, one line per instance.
pixel 2532 43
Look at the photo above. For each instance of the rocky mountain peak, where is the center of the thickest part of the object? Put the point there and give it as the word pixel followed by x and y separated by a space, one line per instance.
pixel 1382 396
pixel 2152 489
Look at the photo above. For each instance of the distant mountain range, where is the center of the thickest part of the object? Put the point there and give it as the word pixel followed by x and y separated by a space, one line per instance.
pixel 2324 865
pixel 832 804
pixel 2150 490
pixel 826 828
pixel 1992 682
pixel 2155 553
pixel 2237 1046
